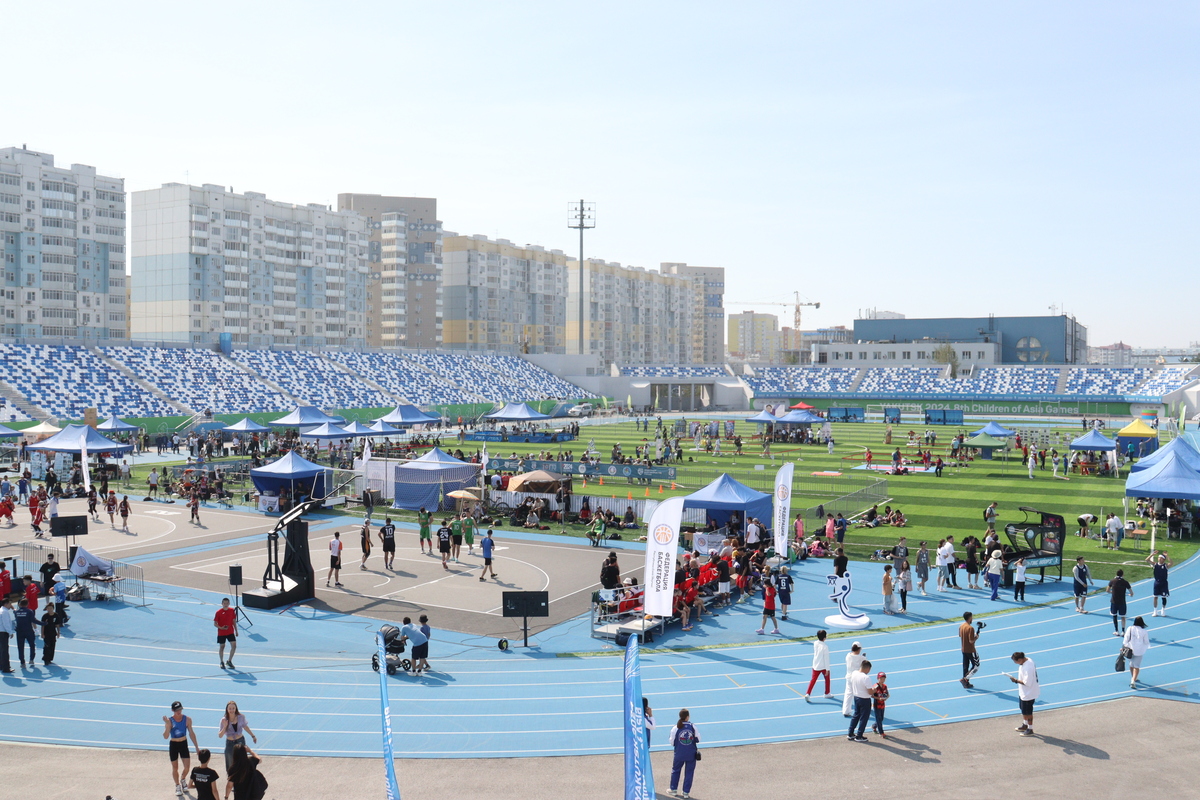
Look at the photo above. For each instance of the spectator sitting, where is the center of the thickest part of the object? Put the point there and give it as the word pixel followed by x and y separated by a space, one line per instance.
pixel 818 549
pixel 630 519
pixel 898 519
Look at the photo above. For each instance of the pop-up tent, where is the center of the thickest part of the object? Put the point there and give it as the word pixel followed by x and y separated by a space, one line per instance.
pixel 408 415
pixel 763 416
pixel 116 425
pixel 326 430
pixel 6 432
pixel 41 429
pixel 246 425
pixel 1093 440
pixel 516 412
pixel 304 415
pixel 1171 477
pixel 1137 433
pixel 725 495
pixel 358 429
pixel 425 481
pixel 1187 453
pixel 381 428
pixel 986 444
pixel 294 473
pixel 804 406
pixel 75 438
pixel 800 417
pixel 994 429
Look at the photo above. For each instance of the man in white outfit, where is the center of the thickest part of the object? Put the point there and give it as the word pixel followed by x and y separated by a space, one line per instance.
pixel 854 661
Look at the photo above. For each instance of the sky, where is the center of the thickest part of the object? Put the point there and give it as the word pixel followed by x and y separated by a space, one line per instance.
pixel 929 158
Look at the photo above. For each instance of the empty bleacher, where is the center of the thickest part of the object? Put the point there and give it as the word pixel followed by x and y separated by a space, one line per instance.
pixel 200 379
pixel 497 378
pixel 676 371
pixel 801 380
pixel 1169 379
pixel 1104 381
pixel 901 380
pixel 310 378
pixel 1007 381
pixel 403 378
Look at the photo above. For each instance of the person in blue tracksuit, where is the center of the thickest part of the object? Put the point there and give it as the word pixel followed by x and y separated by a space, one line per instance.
pixel 686 741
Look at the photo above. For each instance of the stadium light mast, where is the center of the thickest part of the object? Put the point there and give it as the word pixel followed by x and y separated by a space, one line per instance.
pixel 581 215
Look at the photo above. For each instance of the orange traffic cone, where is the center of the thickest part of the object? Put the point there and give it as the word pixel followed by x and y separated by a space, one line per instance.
pixel 672 486
pixel 647 491
pixel 585 483
pixel 629 495
pixel 660 488
pixel 601 480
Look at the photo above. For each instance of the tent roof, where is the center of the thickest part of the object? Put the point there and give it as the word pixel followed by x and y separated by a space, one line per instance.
pixel 724 493
pixel 1093 440
pixel 114 424
pixel 516 412
pixel 43 427
pixel 1137 428
pixel 382 427
pixel 246 425
pixel 7 431
pixel 804 405
pixel 1170 477
pixel 436 459
pixel 72 439
pixel 763 416
pixel 994 429
pixel 326 430
pixel 356 428
pixel 292 465
pixel 985 440
pixel 405 414
pixel 800 416
pixel 304 415
pixel 1187 453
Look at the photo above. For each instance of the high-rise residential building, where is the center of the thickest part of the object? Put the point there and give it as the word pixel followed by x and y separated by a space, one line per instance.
pixel 206 261
pixel 63 237
pixel 632 315
pixel 500 297
pixel 708 316
pixel 404 286
pixel 755 337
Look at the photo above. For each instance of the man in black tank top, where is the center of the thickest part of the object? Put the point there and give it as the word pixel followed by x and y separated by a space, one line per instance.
pixel 387 537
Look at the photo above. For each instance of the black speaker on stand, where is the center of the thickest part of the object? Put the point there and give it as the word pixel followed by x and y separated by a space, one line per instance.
pixel 235 580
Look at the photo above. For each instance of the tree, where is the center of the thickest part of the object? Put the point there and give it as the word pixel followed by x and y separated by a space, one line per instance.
pixel 945 354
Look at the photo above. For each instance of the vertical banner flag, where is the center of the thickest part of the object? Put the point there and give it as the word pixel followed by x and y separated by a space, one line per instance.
pixel 639 780
pixel 83 457
pixel 783 507
pixel 661 547
pixel 389 754
pixel 366 454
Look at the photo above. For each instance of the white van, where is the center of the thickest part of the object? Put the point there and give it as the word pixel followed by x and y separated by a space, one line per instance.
pixel 581 410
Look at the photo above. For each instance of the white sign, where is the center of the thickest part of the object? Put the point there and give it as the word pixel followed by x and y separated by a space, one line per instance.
pixel 783 507
pixel 661 546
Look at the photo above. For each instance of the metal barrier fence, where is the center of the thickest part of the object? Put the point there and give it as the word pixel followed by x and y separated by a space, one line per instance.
pixel 129 586
pixel 848 504
pixel 33 555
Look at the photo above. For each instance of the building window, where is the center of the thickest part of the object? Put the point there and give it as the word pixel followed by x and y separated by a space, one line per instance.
pixel 877 355
pixel 966 354
pixel 921 356
pixel 906 355
pixel 862 355
pixel 981 355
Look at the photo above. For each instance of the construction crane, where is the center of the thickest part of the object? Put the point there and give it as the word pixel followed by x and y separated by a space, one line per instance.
pixel 796 306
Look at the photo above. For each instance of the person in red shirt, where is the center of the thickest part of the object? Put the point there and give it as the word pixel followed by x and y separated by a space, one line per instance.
pixel 32 592
pixel 37 512
pixel 5 581
pixel 768 607
pixel 225 622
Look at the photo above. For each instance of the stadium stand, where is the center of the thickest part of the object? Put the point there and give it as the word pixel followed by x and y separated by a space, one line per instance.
pixel 1169 379
pixel 310 379
pixel 1106 380
pixel 539 383
pixel 200 379
pixel 1007 381
pixel 893 380
pixel 65 380
pixel 497 378
pixel 400 376
pixel 801 379
pixel 674 371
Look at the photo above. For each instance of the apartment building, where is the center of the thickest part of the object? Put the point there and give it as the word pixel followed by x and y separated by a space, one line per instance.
pixel 62 232
pixel 207 261
pixel 708 313
pixel 500 297
pixel 755 337
pixel 404 285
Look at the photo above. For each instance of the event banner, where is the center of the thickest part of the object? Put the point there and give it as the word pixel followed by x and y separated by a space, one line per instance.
pixel 783 507
pixel 662 544
pixel 639 780
pixel 706 542
pixel 87 564
pixel 385 708
pixel 584 470
pixel 526 438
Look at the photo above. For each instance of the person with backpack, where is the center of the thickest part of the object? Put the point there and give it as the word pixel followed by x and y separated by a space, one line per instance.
pixel 990 515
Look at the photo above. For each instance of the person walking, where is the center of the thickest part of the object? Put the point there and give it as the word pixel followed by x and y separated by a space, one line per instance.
pixel 1161 562
pixel 387 541
pixel 426 536
pixel 225 621
pixel 468 529
pixel 860 683
pixel 889 595
pixel 443 535
pixel 1028 690
pixel 8 629
pixel 880 695
pixel 487 545
pixel 904 585
pixel 841 562
pixel 1019 580
pixel 990 515
pixel 123 509
pixel 769 593
pixel 245 781
pixel 685 740
pixel 420 643
pixel 820 666
pixel 854 660
pixel 1082 580
pixel 968 634
pixel 994 569
pixel 204 778
pixel 365 542
pixel 922 567
pixel 335 559
pixel 24 618
pixel 456 538
pixel 177 729
pixel 784 583
pixel 110 507
pixel 1118 589
pixel 51 620
pixel 1138 641
pixel 233 730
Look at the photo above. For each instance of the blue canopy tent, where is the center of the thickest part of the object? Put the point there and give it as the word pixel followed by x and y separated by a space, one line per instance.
pixel 296 474
pixel 326 430
pixel 304 415
pixel 6 431
pixel 425 481
pixel 995 429
pixel 1187 453
pixel 381 428
pixel 726 495
pixel 116 425
pixel 800 417
pixel 74 438
pixel 763 416
pixel 1171 477
pixel 246 425
pixel 358 429
pixel 516 412
pixel 408 415
pixel 1093 440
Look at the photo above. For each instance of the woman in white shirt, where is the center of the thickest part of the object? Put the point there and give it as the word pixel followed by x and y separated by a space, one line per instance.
pixel 1019 580
pixel 1137 640
pixel 994 568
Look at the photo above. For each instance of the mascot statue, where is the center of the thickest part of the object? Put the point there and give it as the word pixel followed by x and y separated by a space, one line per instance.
pixel 841 587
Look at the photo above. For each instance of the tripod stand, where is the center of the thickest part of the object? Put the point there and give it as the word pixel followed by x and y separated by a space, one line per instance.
pixel 235 580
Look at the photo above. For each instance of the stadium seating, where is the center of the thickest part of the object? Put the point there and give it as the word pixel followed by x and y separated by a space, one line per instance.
pixel 1106 381
pixel 310 379
pixel 200 379
pixel 674 371
pixel 1006 381
pixel 497 378
pixel 897 380
pixel 66 380
pixel 801 380
pixel 401 377
pixel 539 384
pixel 1169 379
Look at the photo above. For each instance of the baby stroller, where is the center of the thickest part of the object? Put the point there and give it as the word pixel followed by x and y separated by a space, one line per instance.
pixel 393 648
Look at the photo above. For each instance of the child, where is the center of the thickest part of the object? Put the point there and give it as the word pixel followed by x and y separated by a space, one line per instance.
pixel 123 510
pixel 93 499
pixel 486 546
pixel 194 505
pixel 1019 580
pixel 880 692
pixel 110 505
pixel 768 608
pixel 889 597
pixel 204 778
pixel 784 585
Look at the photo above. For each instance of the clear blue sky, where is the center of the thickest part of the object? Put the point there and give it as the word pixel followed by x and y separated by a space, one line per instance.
pixel 931 158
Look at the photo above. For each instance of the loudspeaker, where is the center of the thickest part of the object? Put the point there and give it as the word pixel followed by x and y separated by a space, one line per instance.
pixel 235 574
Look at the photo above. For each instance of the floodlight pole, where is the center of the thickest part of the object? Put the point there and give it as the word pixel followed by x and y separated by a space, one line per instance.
pixel 582 216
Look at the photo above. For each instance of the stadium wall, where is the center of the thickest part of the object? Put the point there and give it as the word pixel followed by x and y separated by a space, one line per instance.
pixel 1056 408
